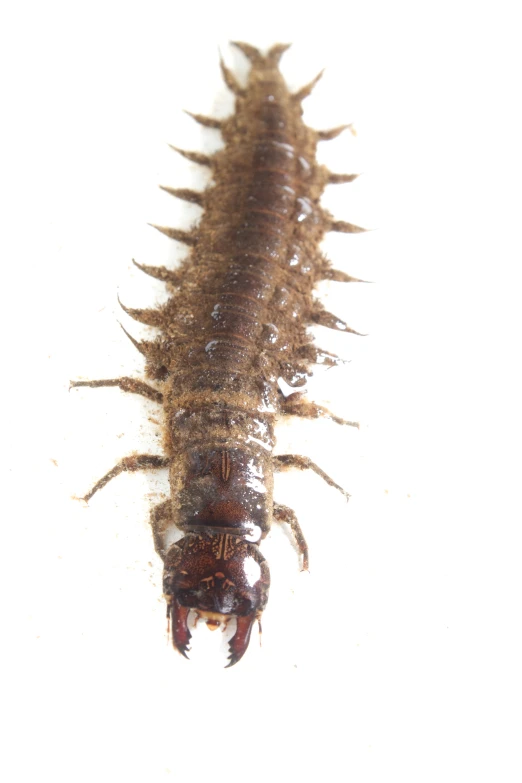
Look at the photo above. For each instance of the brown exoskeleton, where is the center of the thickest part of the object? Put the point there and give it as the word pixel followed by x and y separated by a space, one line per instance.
pixel 235 323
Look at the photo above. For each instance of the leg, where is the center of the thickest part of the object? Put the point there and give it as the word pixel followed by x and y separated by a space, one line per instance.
pixel 285 514
pixel 126 385
pixel 130 465
pixel 282 461
pixel 161 520
pixel 297 405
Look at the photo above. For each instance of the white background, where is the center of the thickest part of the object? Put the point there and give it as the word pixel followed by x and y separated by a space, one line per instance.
pixel 398 656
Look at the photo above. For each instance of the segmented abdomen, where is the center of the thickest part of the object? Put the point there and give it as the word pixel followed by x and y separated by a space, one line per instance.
pixel 259 223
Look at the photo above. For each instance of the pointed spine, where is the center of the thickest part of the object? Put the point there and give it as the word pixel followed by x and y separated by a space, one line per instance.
pixel 332 133
pixel 276 52
pixel 195 157
pixel 192 196
pixel 331 321
pixel 305 91
pixel 230 80
pixel 146 316
pixel 186 237
pixel 143 346
pixel 341 277
pixel 160 273
pixel 250 52
pixel 272 57
pixel 346 228
pixel 208 122
pixel 340 179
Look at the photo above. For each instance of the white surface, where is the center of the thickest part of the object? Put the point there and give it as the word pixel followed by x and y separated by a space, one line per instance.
pixel 398 656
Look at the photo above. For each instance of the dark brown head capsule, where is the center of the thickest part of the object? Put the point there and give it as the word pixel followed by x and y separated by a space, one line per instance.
pixel 220 575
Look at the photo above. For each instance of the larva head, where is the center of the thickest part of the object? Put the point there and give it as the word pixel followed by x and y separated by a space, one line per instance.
pixel 220 576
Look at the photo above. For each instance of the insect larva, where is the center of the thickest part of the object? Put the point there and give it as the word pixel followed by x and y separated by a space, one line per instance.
pixel 235 323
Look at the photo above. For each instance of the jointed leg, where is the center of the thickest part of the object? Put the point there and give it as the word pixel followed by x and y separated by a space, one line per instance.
pixel 126 385
pixel 129 465
pixel 297 405
pixel 282 461
pixel 285 514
